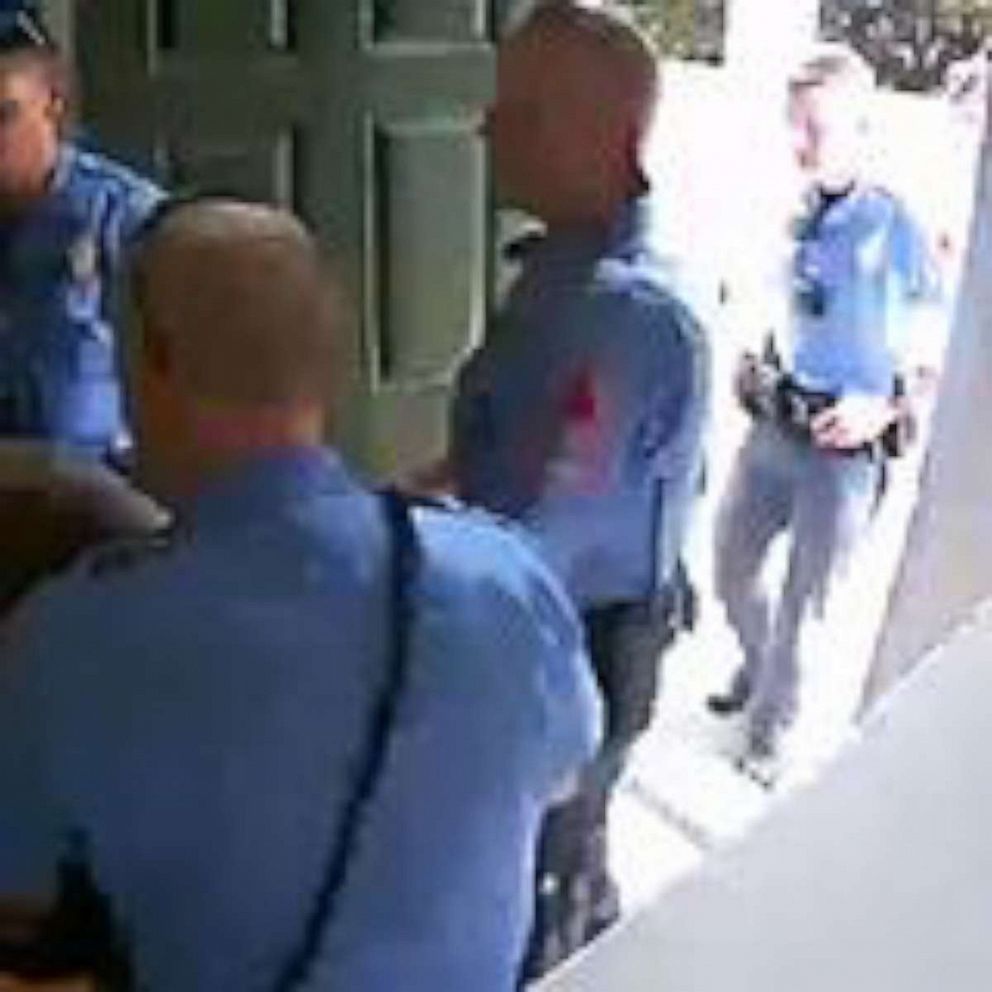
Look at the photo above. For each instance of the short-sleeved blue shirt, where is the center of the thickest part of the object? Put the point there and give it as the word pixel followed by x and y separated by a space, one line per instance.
pixel 58 262
pixel 582 415
pixel 195 707
pixel 860 268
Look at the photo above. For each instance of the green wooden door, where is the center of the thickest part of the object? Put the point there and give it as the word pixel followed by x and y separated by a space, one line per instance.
pixel 361 115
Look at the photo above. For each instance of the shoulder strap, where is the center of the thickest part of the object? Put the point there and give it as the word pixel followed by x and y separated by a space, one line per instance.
pixel 404 562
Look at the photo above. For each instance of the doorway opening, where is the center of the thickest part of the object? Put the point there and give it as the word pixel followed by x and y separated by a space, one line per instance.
pixel 724 231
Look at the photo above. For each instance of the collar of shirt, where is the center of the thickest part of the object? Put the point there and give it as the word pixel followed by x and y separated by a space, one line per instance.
pixel 625 235
pixel 264 486
pixel 819 214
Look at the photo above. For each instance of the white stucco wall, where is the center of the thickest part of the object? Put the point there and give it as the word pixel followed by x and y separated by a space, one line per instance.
pixel 875 880
pixel 947 567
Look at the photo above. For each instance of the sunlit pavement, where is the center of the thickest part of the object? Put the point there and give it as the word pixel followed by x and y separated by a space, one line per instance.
pixel 682 795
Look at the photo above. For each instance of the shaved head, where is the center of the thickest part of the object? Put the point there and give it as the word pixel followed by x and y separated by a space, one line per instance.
pixel 235 353
pixel 238 300
pixel 594 54
pixel 576 95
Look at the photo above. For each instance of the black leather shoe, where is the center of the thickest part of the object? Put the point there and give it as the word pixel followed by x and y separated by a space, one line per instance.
pixel 762 760
pixel 728 704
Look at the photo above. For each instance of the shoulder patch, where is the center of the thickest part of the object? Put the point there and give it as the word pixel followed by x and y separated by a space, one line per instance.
pixel 128 553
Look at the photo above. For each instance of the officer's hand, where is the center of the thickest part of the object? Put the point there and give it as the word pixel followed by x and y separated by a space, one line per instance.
pixel 853 422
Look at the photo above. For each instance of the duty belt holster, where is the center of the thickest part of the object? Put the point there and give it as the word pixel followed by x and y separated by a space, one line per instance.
pixel 768 392
pixel 902 433
pixel 798 408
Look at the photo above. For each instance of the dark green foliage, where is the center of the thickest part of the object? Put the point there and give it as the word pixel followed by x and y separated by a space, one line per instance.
pixel 909 42
pixel 686 29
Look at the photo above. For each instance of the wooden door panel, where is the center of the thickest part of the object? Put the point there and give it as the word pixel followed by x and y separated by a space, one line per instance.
pixel 437 20
pixel 362 115
pixel 427 245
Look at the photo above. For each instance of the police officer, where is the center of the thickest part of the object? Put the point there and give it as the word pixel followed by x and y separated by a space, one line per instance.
pixel 862 289
pixel 65 218
pixel 582 414
pixel 285 743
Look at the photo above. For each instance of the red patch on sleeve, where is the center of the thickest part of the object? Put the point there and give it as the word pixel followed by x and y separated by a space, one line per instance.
pixel 582 401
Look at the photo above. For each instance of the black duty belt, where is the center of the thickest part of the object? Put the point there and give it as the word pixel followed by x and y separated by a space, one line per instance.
pixel 774 395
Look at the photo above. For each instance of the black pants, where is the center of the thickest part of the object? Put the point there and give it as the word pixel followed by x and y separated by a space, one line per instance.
pixel 575 897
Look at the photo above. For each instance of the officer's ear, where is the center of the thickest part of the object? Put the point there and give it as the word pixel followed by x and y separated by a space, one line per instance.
pixel 58 106
pixel 57 112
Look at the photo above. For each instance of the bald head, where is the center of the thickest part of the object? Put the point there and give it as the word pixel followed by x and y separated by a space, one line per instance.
pixel 577 90
pixel 235 300
pixel 593 53
pixel 235 350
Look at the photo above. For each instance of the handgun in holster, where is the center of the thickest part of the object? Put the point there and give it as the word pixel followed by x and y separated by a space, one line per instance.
pixel 768 392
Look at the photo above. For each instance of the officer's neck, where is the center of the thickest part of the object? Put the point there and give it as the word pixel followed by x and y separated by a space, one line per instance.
pixel 838 182
pixel 587 209
pixel 569 217
pixel 219 442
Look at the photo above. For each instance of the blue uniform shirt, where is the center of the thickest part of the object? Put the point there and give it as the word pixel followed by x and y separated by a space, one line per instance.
pixel 859 270
pixel 582 414
pixel 196 709
pixel 58 375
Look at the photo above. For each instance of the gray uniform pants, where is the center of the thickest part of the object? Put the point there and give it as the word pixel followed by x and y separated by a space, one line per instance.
pixel 823 501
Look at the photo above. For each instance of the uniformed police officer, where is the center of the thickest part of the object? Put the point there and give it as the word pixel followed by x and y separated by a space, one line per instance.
pixel 65 218
pixel 582 414
pixel 201 723
pixel 862 295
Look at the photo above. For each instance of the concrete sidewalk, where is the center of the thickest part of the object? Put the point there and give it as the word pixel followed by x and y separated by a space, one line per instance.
pixel 682 795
